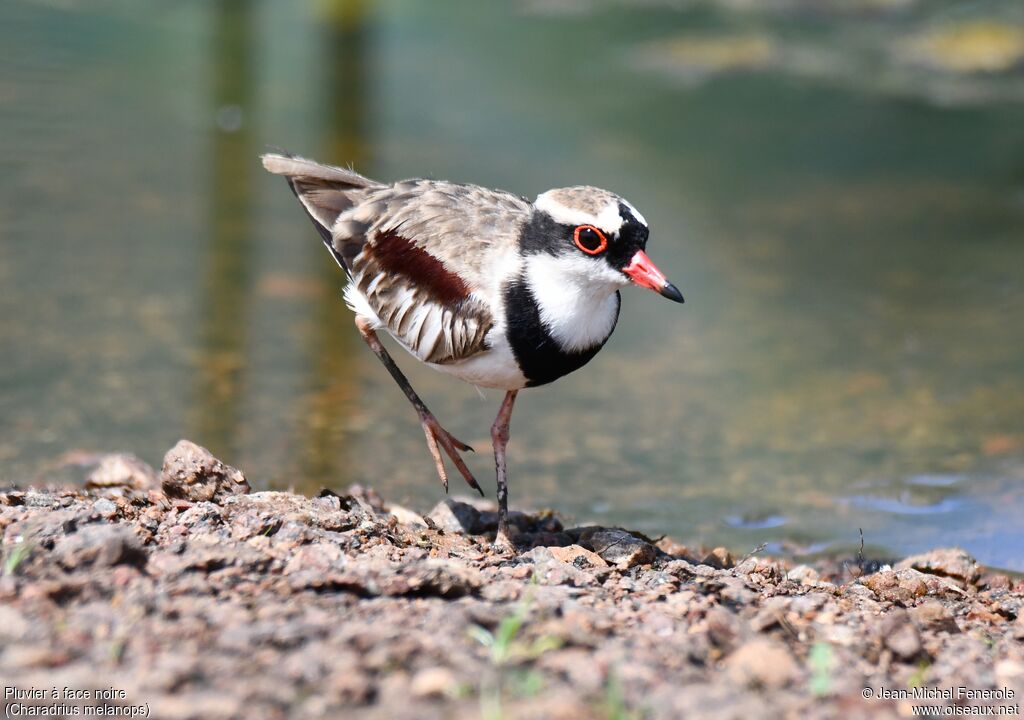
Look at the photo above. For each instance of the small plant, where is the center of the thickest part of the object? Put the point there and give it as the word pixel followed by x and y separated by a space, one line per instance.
pixel 821 660
pixel 917 679
pixel 614 700
pixel 16 555
pixel 507 649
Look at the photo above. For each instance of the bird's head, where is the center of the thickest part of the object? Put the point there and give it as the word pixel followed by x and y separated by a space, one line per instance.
pixel 591 236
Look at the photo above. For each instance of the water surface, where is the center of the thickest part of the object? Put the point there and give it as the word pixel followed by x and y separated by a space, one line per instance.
pixel 840 202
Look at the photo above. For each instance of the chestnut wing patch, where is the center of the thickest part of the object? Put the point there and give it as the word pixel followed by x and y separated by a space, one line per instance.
pixel 399 256
pixel 425 306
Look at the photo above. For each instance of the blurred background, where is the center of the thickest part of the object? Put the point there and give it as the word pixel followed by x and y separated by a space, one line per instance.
pixel 837 187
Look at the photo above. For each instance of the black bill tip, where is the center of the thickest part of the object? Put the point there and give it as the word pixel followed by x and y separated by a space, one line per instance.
pixel 672 292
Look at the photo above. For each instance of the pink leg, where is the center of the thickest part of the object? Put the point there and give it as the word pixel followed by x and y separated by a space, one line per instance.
pixel 499 436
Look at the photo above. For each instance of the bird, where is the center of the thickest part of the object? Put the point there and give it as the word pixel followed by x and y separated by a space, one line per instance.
pixel 481 284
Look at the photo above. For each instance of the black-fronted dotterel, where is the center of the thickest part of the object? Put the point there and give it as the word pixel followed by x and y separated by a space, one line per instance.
pixel 481 284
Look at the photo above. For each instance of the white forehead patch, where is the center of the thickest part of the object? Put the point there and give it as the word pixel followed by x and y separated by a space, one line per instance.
pixel 607 220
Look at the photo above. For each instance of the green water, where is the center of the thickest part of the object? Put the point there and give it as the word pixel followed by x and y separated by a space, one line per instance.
pixel 847 226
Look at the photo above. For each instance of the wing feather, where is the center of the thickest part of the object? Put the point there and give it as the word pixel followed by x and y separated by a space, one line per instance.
pixel 419 253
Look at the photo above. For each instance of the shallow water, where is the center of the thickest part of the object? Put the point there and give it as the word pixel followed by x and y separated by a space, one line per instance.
pixel 844 215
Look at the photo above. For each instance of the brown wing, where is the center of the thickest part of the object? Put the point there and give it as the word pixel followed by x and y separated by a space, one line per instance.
pixel 420 252
pixel 427 308
pixel 425 261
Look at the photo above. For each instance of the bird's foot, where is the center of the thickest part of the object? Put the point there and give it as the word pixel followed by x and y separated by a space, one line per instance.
pixel 503 544
pixel 437 439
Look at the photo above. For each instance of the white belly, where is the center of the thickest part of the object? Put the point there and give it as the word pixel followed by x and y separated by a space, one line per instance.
pixel 493 368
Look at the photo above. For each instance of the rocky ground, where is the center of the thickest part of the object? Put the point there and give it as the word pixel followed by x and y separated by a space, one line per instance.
pixel 185 595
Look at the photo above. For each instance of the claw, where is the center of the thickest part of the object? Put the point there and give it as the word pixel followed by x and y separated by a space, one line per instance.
pixel 436 454
pixel 438 438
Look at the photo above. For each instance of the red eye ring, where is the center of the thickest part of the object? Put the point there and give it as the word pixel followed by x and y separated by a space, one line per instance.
pixel 589 251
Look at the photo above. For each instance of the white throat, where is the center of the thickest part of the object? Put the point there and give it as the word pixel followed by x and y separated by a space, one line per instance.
pixel 576 298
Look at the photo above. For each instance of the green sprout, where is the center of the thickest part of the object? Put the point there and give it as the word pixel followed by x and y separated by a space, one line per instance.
pixel 506 648
pixel 615 701
pixel 917 679
pixel 14 557
pixel 821 660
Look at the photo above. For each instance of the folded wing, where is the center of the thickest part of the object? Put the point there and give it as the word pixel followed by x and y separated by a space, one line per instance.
pixel 417 251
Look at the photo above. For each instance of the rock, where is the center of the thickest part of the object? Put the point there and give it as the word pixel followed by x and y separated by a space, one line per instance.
pixel 13 625
pixel 857 590
pixel 105 508
pixel 995 581
pixel 899 634
pixel 804 575
pixel 502 591
pixel 618 547
pixel 677 550
pixel 316 558
pixel 719 558
pixel 950 562
pixel 902 588
pixel 933 615
pixel 735 590
pixel 99 546
pixel 433 682
pixel 122 470
pixel 723 628
pixel 771 615
pixel 761 663
pixel 577 666
pixel 1009 673
pixel 406 516
pixel 549 570
pixel 578 556
pixel 456 517
pixel 425 578
pixel 192 473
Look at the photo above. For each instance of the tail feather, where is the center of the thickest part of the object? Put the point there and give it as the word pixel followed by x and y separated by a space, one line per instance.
pixel 325 192
pixel 293 166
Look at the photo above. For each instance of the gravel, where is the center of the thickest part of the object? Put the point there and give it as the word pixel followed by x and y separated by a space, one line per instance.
pixel 205 600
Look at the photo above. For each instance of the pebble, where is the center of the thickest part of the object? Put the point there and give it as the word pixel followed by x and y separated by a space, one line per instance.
pixel 433 682
pixel 933 615
pixel 903 587
pixel 899 634
pixel 719 558
pixel 761 663
pixel 803 575
pixel 456 517
pixel 578 556
pixel 122 470
pixel 618 547
pixel 950 562
pixel 105 508
pixel 192 473
pixel 406 516
pixel 99 546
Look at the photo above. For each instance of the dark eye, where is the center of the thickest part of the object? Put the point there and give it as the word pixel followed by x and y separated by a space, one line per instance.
pixel 590 240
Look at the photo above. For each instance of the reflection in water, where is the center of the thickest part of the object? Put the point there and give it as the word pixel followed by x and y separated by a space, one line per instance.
pixel 331 383
pixel 226 290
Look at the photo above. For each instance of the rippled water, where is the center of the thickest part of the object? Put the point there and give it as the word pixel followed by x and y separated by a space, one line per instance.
pixel 843 211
